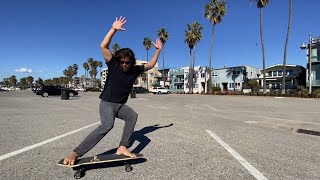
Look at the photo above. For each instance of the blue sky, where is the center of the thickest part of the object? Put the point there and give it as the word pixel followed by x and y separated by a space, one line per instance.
pixel 46 36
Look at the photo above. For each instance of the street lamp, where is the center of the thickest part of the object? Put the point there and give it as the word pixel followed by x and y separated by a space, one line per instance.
pixel 304 46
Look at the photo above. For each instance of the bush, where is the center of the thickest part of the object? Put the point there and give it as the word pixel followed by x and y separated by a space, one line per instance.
pixel 317 92
pixel 94 89
pixel 305 91
pixel 215 89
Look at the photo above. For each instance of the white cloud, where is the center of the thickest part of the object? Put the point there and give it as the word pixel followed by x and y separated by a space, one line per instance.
pixel 24 70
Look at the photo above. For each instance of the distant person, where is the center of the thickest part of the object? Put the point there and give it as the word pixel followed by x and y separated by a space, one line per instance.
pixel 122 73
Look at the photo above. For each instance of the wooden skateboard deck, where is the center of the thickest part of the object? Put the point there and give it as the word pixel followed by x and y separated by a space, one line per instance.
pixel 99 159
pixel 81 163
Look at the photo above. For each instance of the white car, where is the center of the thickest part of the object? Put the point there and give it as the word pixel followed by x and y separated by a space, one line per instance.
pixel 160 90
pixel 79 89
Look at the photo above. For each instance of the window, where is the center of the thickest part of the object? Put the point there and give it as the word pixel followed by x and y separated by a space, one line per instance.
pixel 274 73
pixel 314 54
pixel 237 85
pixel 289 72
pixel 316 71
pixel 270 73
pixel 280 73
pixel 236 72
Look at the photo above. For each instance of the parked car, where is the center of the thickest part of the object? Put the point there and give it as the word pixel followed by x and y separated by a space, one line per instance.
pixel 4 89
pixel 140 90
pixel 160 90
pixel 80 89
pixel 45 91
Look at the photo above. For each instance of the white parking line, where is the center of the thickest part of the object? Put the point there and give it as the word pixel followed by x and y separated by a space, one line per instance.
pixel 210 107
pixel 156 107
pixel 242 161
pixel 43 142
pixel 281 119
pixel 142 99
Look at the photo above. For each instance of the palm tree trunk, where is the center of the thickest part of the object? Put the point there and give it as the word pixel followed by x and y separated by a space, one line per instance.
pixel 263 56
pixel 147 71
pixel 194 60
pixel 209 88
pixel 163 75
pixel 86 72
pixel 283 88
pixel 86 75
pixel 190 73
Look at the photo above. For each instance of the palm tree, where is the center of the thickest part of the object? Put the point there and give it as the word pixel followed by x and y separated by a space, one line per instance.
pixel 23 83
pixel 163 36
pixel 75 70
pixel 261 4
pixel 30 81
pixel 283 87
pixel 93 73
pixel 115 48
pixel 192 37
pixel 13 81
pixel 147 44
pixel 214 12
pixel 86 69
pixel 90 62
pixel 68 73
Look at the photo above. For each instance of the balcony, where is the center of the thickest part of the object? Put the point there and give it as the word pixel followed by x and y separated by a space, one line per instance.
pixel 178 81
pixel 314 83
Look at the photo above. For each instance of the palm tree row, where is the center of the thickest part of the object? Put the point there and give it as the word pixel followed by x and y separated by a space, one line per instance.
pixel 261 4
pixel 214 12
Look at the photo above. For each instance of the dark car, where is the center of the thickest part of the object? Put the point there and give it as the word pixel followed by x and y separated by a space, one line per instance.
pixel 140 90
pixel 45 91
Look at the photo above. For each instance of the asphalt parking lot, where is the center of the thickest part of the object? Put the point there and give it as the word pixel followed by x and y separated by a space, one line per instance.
pixel 181 137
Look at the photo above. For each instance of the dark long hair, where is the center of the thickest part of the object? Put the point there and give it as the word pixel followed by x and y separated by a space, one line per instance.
pixel 125 53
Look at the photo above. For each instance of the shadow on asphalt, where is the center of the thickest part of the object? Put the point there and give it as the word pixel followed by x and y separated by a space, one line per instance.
pixel 139 136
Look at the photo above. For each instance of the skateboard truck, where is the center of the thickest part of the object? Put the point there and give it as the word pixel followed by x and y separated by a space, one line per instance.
pixel 95 159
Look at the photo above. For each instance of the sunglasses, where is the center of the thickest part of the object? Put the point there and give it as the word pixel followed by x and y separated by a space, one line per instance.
pixel 125 62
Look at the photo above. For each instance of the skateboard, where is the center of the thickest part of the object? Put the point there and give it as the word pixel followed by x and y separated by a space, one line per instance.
pixel 81 163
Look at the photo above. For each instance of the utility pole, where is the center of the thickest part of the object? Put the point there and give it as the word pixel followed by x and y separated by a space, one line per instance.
pixel 309 58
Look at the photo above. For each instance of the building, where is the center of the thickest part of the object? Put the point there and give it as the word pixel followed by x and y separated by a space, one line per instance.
pixel 82 82
pixel 160 79
pixel 295 76
pixel 233 78
pixel 315 63
pixel 200 77
pixel 180 80
pixel 177 80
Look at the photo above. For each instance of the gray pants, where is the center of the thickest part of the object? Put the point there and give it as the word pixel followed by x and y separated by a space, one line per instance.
pixel 108 112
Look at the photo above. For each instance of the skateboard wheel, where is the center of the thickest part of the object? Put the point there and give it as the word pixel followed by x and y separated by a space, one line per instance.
pixel 128 168
pixel 78 175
